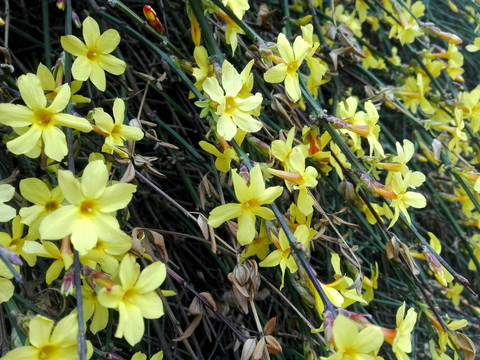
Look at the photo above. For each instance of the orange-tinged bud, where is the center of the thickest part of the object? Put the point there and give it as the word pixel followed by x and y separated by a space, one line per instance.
pixel 152 19
pixel 196 33
pixel 65 248
pixel 385 193
pixel 286 175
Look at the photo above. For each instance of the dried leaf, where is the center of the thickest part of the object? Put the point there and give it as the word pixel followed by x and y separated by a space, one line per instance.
pixel 210 300
pixel 258 352
pixel 137 236
pixel 264 16
pixel 195 307
pixel 273 346
pixel 467 346
pixel 270 326
pixel 129 174
pixel 191 328
pixel 248 348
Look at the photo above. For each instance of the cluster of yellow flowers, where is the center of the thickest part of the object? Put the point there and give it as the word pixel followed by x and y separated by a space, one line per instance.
pixel 79 211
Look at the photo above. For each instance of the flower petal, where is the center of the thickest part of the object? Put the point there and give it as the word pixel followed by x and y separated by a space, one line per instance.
pixel 40 331
pixel 70 187
pixel 369 339
pixel 91 31
pixel 15 115
pixel 26 142
pixel 97 77
pixel 246 122
pixel 116 197
pixel 129 272
pixel 112 65
pixel 213 89
pixel 65 333
pixel 55 143
pixel 223 213
pixel 31 91
pixel 293 87
pixel 107 227
pixel 46 78
pixel 73 45
pixel 226 128
pixel 74 122
pixel 133 332
pixel 151 277
pixel 150 305
pixel 276 74
pixel 6 192
pixel 81 68
pixel 84 235
pixel 103 120
pixel 284 49
pixel 108 41
pixel 61 100
pixel 94 179
pixel 246 228
pixel 59 223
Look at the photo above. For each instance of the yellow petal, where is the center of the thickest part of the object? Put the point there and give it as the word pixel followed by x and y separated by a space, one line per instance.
pixel 112 65
pixel 91 31
pixel 31 91
pixel 73 45
pixel 108 41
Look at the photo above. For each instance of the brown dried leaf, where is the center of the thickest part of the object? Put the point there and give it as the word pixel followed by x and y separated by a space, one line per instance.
pixel 273 346
pixel 467 346
pixel 395 247
pixel 258 352
pixel 158 241
pixel 137 236
pixel 241 300
pixel 195 307
pixel 270 326
pixel 129 174
pixel 210 300
pixel 191 328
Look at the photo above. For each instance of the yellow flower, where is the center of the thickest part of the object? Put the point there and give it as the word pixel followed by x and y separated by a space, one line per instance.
pixel 91 211
pixel 453 292
pixel 233 110
pixel 92 307
pixel 413 94
pixel 290 61
pixel 16 241
pixel 135 297
pixel 59 344
pixel 40 120
pixel 407 29
pixel 259 245
pixel 48 84
pixel 7 212
pixel 475 46
pixel 223 160
pixel 251 199
pixel 45 201
pixel 93 56
pixel 283 255
pixel 349 343
pixel 400 337
pixel 117 132
pixel 404 198
pixel 238 6
pixel 205 69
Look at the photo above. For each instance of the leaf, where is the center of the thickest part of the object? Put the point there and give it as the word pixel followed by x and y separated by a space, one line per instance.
pixel 191 328
pixel 270 326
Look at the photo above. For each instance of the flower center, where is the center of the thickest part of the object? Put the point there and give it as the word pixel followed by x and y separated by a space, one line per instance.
pixel 292 68
pixel 48 352
pixel 92 55
pixel 116 130
pixel 88 208
pixel 250 205
pixel 51 206
pixel 129 296
pixel 230 105
pixel 43 118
